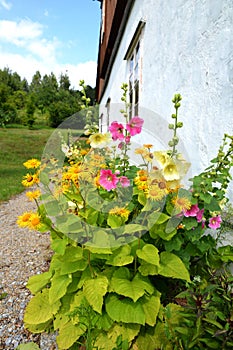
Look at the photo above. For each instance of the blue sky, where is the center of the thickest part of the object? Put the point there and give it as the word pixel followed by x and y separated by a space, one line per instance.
pixel 50 36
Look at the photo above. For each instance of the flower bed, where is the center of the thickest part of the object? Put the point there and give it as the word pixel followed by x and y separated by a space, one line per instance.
pixel 133 267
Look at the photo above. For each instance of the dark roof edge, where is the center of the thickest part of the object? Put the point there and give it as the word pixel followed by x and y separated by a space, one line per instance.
pixel 127 11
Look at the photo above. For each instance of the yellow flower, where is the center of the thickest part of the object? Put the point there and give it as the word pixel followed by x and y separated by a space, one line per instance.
pixel 24 219
pixel 29 180
pixel 148 145
pixel 155 193
pixel 32 163
pixel 34 222
pixel 33 194
pixel 170 171
pixel 123 212
pixel 99 140
pixel 29 220
pixel 181 203
pixel 161 157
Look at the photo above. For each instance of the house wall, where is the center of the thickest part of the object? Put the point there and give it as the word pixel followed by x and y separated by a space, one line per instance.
pixel 187 48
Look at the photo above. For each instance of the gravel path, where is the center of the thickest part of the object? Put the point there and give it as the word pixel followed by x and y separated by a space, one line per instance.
pixel 22 253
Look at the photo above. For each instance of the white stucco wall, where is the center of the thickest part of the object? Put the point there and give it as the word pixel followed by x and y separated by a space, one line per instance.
pixel 187 48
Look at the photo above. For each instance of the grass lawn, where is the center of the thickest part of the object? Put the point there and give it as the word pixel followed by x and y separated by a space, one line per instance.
pixel 16 146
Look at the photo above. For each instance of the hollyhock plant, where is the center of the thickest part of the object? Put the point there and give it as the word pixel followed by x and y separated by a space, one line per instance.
pixel 134 127
pixel 128 241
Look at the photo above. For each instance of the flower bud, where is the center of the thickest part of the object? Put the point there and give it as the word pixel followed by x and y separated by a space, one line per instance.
pixel 171 126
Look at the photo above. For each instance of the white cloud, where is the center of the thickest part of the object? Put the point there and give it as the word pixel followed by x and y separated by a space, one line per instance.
pixel 26 67
pixel 35 52
pixel 6 5
pixel 46 13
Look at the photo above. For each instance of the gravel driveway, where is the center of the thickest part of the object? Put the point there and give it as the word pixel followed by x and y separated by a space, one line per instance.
pixel 22 253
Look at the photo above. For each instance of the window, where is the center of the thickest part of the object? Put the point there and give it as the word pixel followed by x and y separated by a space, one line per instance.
pixel 133 56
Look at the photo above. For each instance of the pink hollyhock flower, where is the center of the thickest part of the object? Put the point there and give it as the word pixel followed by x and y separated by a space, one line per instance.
pixel 125 182
pixel 215 222
pixel 192 211
pixel 134 127
pixel 199 215
pixel 116 130
pixel 107 179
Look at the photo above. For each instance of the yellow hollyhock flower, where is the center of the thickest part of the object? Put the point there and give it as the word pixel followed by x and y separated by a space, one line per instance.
pixel 170 171
pixel 161 157
pixel 99 140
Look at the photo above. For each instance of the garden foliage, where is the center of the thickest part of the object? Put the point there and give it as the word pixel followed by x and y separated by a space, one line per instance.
pixel 134 266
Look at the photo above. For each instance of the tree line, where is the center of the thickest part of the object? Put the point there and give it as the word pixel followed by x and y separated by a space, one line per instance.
pixel 53 100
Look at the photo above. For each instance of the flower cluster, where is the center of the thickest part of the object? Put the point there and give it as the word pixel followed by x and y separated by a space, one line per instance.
pixel 94 164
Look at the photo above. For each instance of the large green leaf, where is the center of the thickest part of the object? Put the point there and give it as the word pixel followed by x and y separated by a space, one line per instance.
pixel 121 256
pixel 58 245
pixel 68 223
pixel 124 310
pixel 100 243
pixel 39 309
pixel 151 307
pixel 69 334
pixel 157 218
pixel 147 269
pixel 73 266
pixel 58 287
pixel 37 282
pixel 38 328
pixel 149 253
pixel 122 284
pixel 126 330
pixel 172 266
pixel 94 290
pixel 72 253
pixel 153 338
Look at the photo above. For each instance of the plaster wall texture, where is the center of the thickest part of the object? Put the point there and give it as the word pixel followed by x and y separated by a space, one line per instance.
pixel 187 47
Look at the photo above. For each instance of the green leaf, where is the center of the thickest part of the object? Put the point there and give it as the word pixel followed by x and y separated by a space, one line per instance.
pixel 58 287
pixel 94 290
pixel 142 198
pixel 134 289
pixel 148 269
pixel 126 331
pixel 44 178
pixel 115 221
pixel 53 208
pixel 69 334
pixel 157 218
pixel 68 223
pixel 59 245
pixel 38 328
pixel 124 310
pixel 121 256
pixel 151 306
pixel 133 228
pixel 73 266
pixel 149 253
pixel 39 309
pixel 72 253
pixel 100 243
pixel 37 282
pixel 28 346
pixel 172 266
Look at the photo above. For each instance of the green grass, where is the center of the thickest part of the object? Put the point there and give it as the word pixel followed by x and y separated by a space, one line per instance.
pixel 16 146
